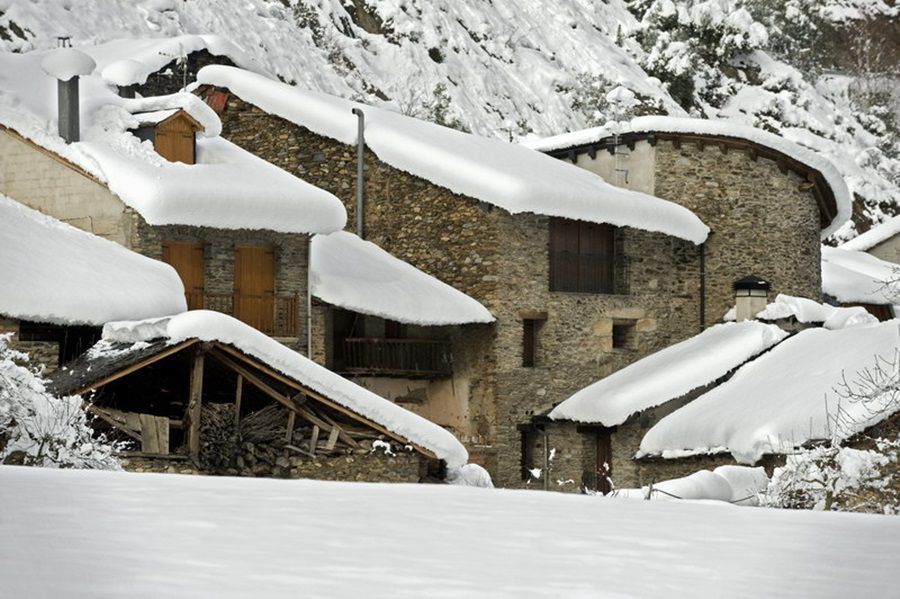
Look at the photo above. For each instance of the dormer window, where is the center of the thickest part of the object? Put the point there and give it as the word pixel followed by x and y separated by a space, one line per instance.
pixel 172 132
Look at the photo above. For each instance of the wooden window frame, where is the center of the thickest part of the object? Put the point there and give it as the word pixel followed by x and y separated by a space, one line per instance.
pixel 582 256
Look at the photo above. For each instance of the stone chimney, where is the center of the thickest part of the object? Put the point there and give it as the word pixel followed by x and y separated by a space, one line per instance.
pixel 67 65
pixel 751 294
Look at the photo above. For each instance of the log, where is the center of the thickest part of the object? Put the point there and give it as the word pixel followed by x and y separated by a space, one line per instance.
pixel 195 404
pixel 332 438
pixel 238 393
pixel 289 435
pixel 313 440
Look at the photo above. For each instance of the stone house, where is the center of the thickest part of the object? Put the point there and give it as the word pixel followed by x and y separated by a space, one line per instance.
pixel 882 241
pixel 545 343
pixel 577 296
pixel 56 294
pixel 161 182
pixel 254 407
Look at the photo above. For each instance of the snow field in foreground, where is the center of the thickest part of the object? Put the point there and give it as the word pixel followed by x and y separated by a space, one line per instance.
pixel 98 534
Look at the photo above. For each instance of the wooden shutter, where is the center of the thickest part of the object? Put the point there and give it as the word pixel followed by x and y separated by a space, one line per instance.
pixel 596 249
pixel 254 286
pixel 563 254
pixel 186 257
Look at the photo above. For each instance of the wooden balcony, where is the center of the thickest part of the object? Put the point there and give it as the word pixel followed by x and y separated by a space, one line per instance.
pixel 276 315
pixel 409 358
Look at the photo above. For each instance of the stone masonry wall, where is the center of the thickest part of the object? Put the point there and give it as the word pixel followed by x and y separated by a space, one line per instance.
pixel 762 222
pixel 501 260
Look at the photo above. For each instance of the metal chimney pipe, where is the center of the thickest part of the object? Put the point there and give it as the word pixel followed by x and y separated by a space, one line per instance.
pixel 360 170
pixel 67 100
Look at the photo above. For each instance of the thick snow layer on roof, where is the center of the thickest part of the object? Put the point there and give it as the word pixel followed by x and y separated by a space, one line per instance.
pixel 782 399
pixel 65 63
pixel 810 311
pixel 131 61
pixel 874 236
pixel 360 276
pixel 855 276
pixel 87 534
pixel 53 272
pixel 227 188
pixel 740 485
pixel 214 326
pixel 669 124
pixel 506 175
pixel 669 373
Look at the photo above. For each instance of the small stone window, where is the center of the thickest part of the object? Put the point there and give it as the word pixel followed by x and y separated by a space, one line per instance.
pixel 623 334
pixel 531 324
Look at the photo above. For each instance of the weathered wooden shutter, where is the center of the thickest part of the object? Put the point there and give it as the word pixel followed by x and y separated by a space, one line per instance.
pixel 186 257
pixel 563 254
pixel 596 251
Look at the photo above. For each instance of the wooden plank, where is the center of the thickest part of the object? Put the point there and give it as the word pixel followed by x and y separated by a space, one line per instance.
pixel 325 401
pixel 120 426
pixel 162 434
pixel 289 435
pixel 137 366
pixel 149 440
pixel 332 438
pixel 238 394
pixel 313 440
pixel 133 421
pixel 195 404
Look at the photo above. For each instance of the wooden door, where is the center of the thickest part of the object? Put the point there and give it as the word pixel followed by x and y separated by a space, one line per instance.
pixel 175 139
pixel 186 257
pixel 254 286
pixel 604 462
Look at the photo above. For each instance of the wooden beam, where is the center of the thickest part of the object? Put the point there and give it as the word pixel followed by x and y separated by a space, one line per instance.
pixel 321 399
pixel 194 408
pixel 136 366
pixel 289 435
pixel 99 413
pixel 238 394
pixel 332 438
pixel 313 440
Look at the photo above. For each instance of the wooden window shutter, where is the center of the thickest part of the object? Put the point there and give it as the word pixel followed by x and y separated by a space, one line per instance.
pixel 596 257
pixel 563 254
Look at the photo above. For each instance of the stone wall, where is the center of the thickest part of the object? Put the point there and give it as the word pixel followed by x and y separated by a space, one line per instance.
pixel 35 178
pixel 174 76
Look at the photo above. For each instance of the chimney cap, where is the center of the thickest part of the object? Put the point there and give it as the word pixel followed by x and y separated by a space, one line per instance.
pixel 65 63
pixel 751 282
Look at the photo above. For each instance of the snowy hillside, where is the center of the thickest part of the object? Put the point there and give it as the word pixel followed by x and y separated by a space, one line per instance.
pixel 107 534
pixel 510 68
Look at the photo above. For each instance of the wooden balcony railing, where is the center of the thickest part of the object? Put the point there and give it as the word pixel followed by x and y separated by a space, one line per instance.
pixel 414 358
pixel 276 315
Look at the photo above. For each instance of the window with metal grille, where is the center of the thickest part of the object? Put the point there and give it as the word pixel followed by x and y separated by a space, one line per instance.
pixel 582 256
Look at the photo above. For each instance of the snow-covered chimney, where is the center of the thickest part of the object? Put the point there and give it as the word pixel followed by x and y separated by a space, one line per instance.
pixel 67 65
pixel 751 294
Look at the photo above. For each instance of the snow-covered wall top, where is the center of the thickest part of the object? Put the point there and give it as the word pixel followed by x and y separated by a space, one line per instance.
pixel 853 276
pixel 358 275
pixel 809 311
pixel 52 272
pixel 507 175
pixel 669 373
pixel 227 187
pixel 214 326
pixel 874 236
pixel 783 399
pixel 719 128
pixel 130 61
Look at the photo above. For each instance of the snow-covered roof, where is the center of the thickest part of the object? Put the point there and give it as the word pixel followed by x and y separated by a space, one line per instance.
pixel 809 311
pixel 131 61
pixel 719 128
pixel 854 276
pixel 52 272
pixel 669 373
pixel 874 236
pixel 500 173
pixel 360 276
pixel 214 326
pixel 782 399
pixel 227 187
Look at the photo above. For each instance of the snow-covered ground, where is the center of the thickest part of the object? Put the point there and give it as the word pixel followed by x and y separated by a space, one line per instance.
pixel 107 534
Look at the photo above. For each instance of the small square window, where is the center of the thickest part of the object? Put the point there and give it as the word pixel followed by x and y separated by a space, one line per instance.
pixel 623 335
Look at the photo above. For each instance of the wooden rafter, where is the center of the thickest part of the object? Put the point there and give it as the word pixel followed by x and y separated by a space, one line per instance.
pixel 136 366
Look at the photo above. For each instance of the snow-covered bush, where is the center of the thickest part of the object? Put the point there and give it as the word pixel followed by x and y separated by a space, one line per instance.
pixel 838 478
pixel 38 429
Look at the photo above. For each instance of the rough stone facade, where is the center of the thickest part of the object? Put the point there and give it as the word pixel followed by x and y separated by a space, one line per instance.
pixel 503 261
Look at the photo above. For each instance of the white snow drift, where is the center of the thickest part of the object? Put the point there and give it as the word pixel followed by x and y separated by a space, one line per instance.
pixel 722 128
pixel 53 272
pixel 504 174
pixel 669 373
pixel 227 188
pixel 782 399
pixel 874 236
pixel 358 275
pixel 89 534
pixel 808 311
pixel 854 276
pixel 214 326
